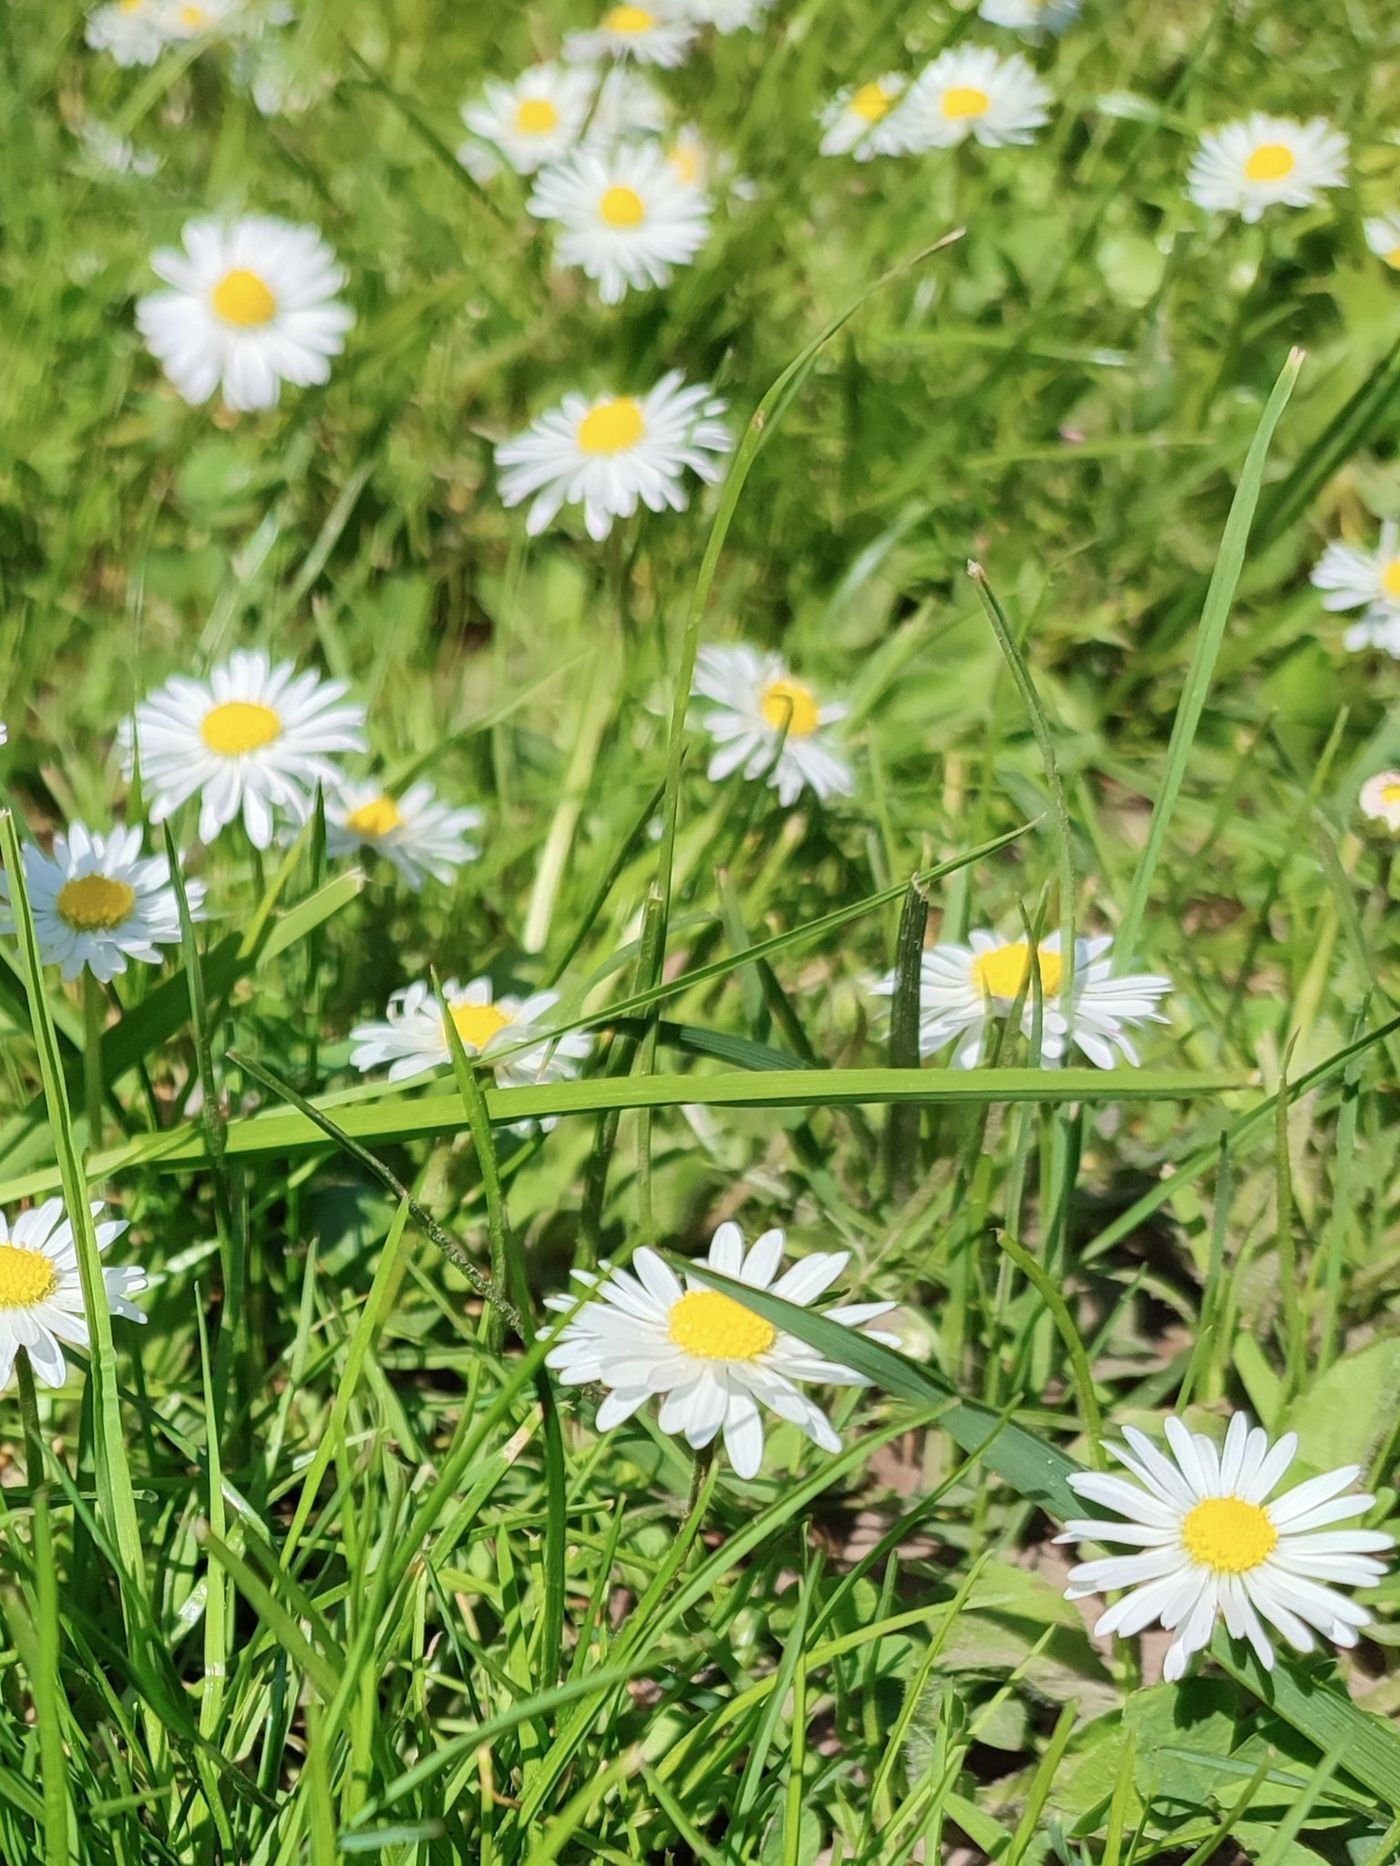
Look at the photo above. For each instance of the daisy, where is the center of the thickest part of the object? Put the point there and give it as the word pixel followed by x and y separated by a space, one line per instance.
pixel 252 306
pixel 531 122
pixel 627 217
pixel 654 35
pixel 1214 1546
pixel 511 1035
pixel 963 988
pixel 419 835
pixel 98 901
pixel 1380 799
pixel 133 31
pixel 1034 16
pixel 725 15
pixel 970 91
pixel 1383 238
pixel 858 119
pixel 714 1359
pixel 700 165
pixel 607 453
pixel 769 724
pixel 115 154
pixel 1357 579
pixel 1266 162
pixel 41 1292
pixel 253 738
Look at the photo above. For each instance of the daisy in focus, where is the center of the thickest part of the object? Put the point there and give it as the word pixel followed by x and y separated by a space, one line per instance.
pixel 251 305
pixel 970 91
pixel 1266 162
pixel 963 989
pixel 1369 580
pixel 626 217
pixel 41 1291
pixel 645 1333
pixel 251 740
pixel 769 724
pixel 529 123
pixel 861 120
pixel 133 31
pixel 509 1034
pixel 1383 238
pixel 1380 799
pixel 98 901
pixel 1034 16
pixel 653 35
pixel 612 452
pixel 422 837
pixel 1213 1546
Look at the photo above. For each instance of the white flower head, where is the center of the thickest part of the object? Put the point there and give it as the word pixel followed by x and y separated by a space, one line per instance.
pixel 656 34
pixel 964 988
pixel 252 739
pixel 1213 1546
pixel 769 724
pixel 251 305
pixel 725 15
pixel 98 901
pixel 41 1291
pixel 971 91
pixel 1355 579
pixel 224 19
pixel 610 453
pixel 1380 799
pixel 625 216
pixel 133 31
pixel 1030 16
pixel 1383 238
pixel 715 1360
pixel 862 119
pixel 279 85
pixel 421 836
pixel 114 154
pixel 532 121
pixel 1265 162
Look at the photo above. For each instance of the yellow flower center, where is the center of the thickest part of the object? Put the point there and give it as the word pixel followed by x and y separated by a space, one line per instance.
pixel 1229 1535
pixel 132 6
pixel 684 159
pixel 374 819
pixel 612 426
pixel 871 101
pixel 622 207
pixel 1392 258
pixel 1390 793
pixel 26 1277
pixel 1269 162
pixel 93 903
pixel 239 726
pixel 790 706
pixel 536 116
pixel 194 17
pixel 1390 579
pixel 628 19
pixel 1006 970
pixel 713 1327
pixel 241 298
pixel 478 1023
pixel 965 100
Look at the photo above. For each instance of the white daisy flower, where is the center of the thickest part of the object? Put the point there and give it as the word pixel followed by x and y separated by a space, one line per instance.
pixel 861 119
pixel 1357 579
pixel 98 901
pixel 531 122
pixel 133 31
pixel 626 216
pixel 253 738
pixel 963 988
pixel 971 91
pixel 278 84
pixel 1214 1546
pixel 41 1291
pixel 768 723
pixel 725 15
pixel 1383 238
pixel 653 35
pixel 114 154
pixel 609 453
pixel 700 165
pixel 1034 16
pixel 419 835
pixel 511 1035
pixel 1380 798
pixel 252 306
pixel 714 1359
pixel 202 19
pixel 1266 162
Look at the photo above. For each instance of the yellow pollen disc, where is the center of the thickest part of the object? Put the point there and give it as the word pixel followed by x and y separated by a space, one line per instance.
pixel 612 426
pixel 132 6
pixel 965 100
pixel 193 17
pixel 94 904
pixel 241 298
pixel 1392 258
pixel 628 19
pixel 713 1327
pixel 1390 579
pixel 26 1277
pixel 1003 972
pixel 790 706
pixel 1229 1535
pixel 478 1023
pixel 1270 162
pixel 536 116
pixel 1390 793
pixel 685 161
pixel 871 101
pixel 376 818
pixel 622 207
pixel 239 726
